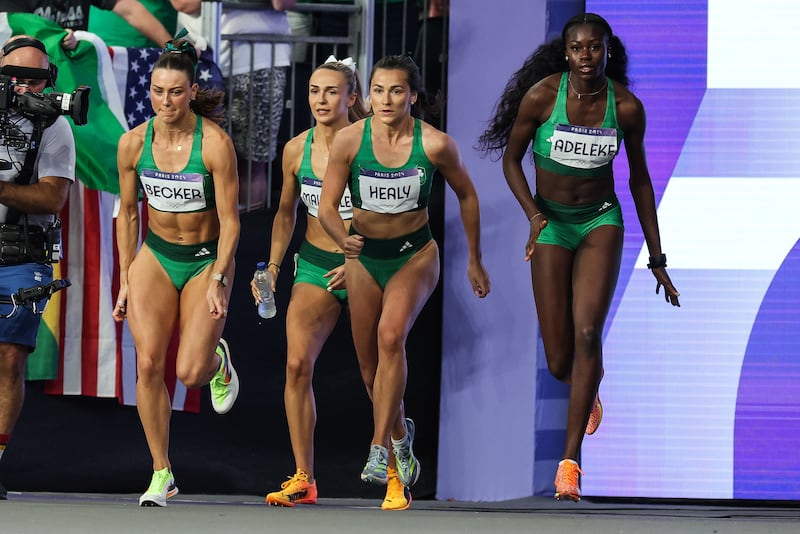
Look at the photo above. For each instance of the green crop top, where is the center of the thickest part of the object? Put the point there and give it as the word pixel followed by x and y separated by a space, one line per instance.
pixel 190 190
pixel 575 150
pixel 391 190
pixel 311 186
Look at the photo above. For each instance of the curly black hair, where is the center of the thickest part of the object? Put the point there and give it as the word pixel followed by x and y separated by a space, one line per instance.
pixel 546 60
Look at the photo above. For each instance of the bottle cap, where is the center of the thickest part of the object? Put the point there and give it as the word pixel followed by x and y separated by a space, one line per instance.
pixel 261 265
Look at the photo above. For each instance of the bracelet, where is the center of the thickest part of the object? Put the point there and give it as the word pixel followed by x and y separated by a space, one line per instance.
pixel 538 214
pixel 275 264
pixel 657 262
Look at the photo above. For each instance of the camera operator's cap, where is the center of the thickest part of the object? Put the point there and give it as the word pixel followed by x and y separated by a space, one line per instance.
pixel 48 74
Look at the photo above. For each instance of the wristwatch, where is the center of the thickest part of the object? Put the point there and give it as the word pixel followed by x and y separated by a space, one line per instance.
pixel 221 278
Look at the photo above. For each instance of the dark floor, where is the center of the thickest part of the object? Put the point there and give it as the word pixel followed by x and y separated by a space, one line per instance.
pixel 81 513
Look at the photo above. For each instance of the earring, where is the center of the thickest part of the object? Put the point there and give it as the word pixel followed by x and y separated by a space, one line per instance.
pixel 566 58
pixel 609 55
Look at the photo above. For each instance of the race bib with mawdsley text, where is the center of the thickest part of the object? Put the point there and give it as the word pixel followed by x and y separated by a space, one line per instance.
pixel 311 191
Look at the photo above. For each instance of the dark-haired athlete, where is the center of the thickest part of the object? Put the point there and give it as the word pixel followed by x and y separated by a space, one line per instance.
pixel 392 261
pixel 570 99
pixel 186 166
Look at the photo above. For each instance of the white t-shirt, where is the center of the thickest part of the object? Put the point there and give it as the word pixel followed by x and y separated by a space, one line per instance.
pixel 241 21
pixel 56 157
pixel 194 25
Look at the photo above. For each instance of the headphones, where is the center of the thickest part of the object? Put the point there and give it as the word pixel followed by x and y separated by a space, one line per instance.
pixel 22 42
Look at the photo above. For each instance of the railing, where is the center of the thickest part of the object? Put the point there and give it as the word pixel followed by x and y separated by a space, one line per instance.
pixel 211 15
pixel 364 17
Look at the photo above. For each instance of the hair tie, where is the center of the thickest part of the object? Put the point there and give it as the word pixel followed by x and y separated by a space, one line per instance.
pixel 347 62
pixel 185 47
pixel 410 56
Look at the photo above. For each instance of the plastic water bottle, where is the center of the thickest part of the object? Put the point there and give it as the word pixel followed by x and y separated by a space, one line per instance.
pixel 266 308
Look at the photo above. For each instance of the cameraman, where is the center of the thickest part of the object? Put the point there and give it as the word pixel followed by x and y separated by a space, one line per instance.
pixel 31 195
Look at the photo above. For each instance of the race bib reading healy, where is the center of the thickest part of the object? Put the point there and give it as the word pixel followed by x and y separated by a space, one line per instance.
pixel 173 191
pixel 390 191
pixel 580 147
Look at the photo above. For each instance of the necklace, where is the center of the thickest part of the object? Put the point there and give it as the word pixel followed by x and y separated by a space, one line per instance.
pixel 569 81
pixel 179 146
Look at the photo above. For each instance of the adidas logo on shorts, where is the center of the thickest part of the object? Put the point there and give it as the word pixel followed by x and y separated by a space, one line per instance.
pixel 407 245
pixel 202 252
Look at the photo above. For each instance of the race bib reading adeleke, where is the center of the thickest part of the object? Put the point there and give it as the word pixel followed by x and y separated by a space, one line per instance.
pixel 311 191
pixel 390 191
pixel 580 147
pixel 173 191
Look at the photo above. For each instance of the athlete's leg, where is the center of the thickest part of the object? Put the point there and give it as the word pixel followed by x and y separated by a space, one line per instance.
pixel 365 297
pixel 551 275
pixel 151 326
pixel 595 273
pixel 310 318
pixel 197 361
pixel 403 298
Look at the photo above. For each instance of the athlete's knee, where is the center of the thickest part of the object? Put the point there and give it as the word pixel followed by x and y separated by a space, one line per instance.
pixel 195 374
pixel 298 369
pixel 149 367
pixel 560 368
pixel 391 340
pixel 588 337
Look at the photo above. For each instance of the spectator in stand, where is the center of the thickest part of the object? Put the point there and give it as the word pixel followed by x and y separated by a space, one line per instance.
pixel 116 31
pixel 257 95
pixel 74 15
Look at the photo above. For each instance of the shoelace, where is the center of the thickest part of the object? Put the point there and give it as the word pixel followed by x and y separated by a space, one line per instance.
pixel 297 477
pixel 375 459
pixel 568 475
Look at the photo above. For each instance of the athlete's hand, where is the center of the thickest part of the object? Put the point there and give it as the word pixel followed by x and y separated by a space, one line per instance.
pixel 537 225
pixel 479 279
pixel 122 303
pixel 336 278
pixel 662 279
pixel 353 245
pixel 217 300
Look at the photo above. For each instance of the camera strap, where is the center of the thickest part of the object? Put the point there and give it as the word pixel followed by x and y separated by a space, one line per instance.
pixel 25 175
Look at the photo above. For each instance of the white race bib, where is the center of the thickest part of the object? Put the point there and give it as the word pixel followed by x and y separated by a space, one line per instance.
pixel 311 191
pixel 390 191
pixel 580 147
pixel 172 191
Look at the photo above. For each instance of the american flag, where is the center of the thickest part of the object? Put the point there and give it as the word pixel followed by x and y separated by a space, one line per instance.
pixel 138 63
